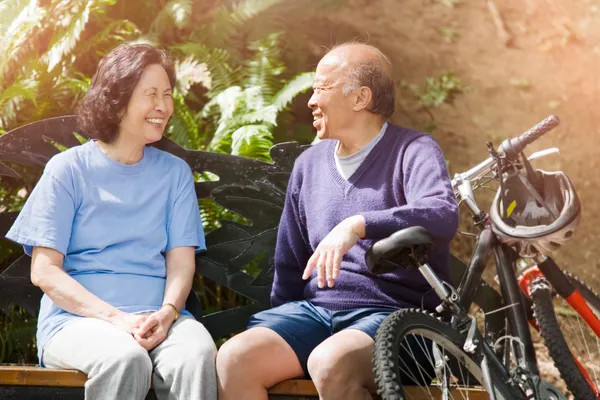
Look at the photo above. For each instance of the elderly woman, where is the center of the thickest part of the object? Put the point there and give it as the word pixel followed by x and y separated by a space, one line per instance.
pixel 113 226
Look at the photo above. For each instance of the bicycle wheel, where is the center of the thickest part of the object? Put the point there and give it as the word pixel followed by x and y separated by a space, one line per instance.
pixel 417 356
pixel 572 344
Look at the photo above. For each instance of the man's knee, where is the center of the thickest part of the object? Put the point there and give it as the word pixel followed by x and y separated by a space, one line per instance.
pixel 326 366
pixel 235 355
pixel 331 364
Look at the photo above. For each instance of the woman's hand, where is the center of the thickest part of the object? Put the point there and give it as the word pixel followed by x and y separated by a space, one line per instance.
pixel 155 329
pixel 130 323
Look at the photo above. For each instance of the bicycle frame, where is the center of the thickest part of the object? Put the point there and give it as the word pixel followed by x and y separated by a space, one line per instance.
pixel 523 377
pixel 516 311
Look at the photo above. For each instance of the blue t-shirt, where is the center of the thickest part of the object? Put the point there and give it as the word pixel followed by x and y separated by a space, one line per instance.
pixel 114 223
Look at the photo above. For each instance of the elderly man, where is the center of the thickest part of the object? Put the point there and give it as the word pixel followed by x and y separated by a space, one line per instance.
pixel 367 180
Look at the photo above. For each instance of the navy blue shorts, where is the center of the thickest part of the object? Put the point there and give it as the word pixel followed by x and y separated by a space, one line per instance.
pixel 304 326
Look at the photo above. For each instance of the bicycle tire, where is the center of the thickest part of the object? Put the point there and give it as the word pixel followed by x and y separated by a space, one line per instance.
pixel 554 338
pixel 389 340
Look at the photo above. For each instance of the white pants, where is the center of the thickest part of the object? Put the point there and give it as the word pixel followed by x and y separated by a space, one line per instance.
pixel 181 367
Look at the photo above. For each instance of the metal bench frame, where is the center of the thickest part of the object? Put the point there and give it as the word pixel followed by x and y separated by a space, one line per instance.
pixel 253 189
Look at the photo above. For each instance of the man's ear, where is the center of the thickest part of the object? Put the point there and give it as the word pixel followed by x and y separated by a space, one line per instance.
pixel 363 98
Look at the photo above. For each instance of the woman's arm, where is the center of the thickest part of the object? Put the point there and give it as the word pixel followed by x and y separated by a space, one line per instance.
pixel 181 265
pixel 47 274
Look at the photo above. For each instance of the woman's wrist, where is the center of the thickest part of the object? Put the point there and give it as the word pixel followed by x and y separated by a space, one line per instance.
pixel 171 309
pixel 113 315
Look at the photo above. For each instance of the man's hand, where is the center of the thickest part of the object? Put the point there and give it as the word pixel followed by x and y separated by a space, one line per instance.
pixel 155 329
pixel 327 258
pixel 130 323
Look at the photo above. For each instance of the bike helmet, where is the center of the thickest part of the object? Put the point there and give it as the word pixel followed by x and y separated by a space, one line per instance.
pixel 533 227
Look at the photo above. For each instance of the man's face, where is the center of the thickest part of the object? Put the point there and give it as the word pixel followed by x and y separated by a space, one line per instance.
pixel 332 111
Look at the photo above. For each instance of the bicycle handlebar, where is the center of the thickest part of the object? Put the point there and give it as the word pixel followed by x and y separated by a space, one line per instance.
pixel 511 148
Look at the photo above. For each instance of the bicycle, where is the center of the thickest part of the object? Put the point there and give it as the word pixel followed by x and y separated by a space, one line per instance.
pixel 520 238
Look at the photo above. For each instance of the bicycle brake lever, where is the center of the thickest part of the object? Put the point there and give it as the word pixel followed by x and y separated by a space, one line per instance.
pixel 543 153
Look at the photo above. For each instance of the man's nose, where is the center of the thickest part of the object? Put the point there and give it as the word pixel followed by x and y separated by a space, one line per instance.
pixel 312 102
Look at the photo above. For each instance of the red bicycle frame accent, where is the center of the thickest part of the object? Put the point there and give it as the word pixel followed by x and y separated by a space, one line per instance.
pixel 576 301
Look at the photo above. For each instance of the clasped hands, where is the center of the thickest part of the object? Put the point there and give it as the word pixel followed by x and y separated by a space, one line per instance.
pixel 328 255
pixel 148 330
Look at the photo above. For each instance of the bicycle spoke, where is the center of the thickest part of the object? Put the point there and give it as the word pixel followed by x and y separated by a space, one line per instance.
pixel 430 355
pixel 444 364
pixel 408 371
pixel 575 323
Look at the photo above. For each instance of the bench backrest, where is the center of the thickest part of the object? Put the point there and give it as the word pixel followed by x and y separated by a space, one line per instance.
pixel 253 189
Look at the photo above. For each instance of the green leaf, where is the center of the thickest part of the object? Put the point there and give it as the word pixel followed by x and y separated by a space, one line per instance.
pixel 228 20
pixel 440 90
pixel 67 40
pixel 266 115
pixel 252 141
pixel 265 67
pixel 182 126
pixel 299 84
pixel 13 96
pixel 176 14
pixel 12 42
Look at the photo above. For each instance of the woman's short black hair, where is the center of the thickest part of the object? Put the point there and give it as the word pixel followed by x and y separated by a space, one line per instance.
pixel 100 112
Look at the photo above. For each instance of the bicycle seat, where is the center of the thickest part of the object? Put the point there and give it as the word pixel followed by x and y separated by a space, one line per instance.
pixel 408 248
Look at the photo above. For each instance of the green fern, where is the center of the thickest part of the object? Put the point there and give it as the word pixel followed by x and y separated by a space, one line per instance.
pixel 12 98
pixel 183 128
pixel 264 69
pixel 228 20
pixel 299 84
pixel 62 45
pixel 15 43
pixel 253 141
pixel 175 14
pixel 112 34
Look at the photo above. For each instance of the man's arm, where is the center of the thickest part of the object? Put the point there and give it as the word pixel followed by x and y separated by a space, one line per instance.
pixel 430 200
pixel 291 251
pixel 430 204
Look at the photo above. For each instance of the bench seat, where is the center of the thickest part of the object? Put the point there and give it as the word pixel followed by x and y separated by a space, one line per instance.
pixel 69 385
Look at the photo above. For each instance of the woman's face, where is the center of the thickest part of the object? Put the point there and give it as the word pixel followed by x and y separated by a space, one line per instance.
pixel 150 106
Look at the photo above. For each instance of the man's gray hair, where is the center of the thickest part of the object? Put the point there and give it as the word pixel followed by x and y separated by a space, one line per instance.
pixel 372 73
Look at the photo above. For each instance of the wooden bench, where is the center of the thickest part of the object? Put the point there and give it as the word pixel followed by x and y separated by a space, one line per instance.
pixel 253 189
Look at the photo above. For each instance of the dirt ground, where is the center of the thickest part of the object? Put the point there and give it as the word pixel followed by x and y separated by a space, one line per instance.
pixel 549 65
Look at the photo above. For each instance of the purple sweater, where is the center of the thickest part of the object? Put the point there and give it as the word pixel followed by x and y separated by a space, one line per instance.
pixel 403 182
